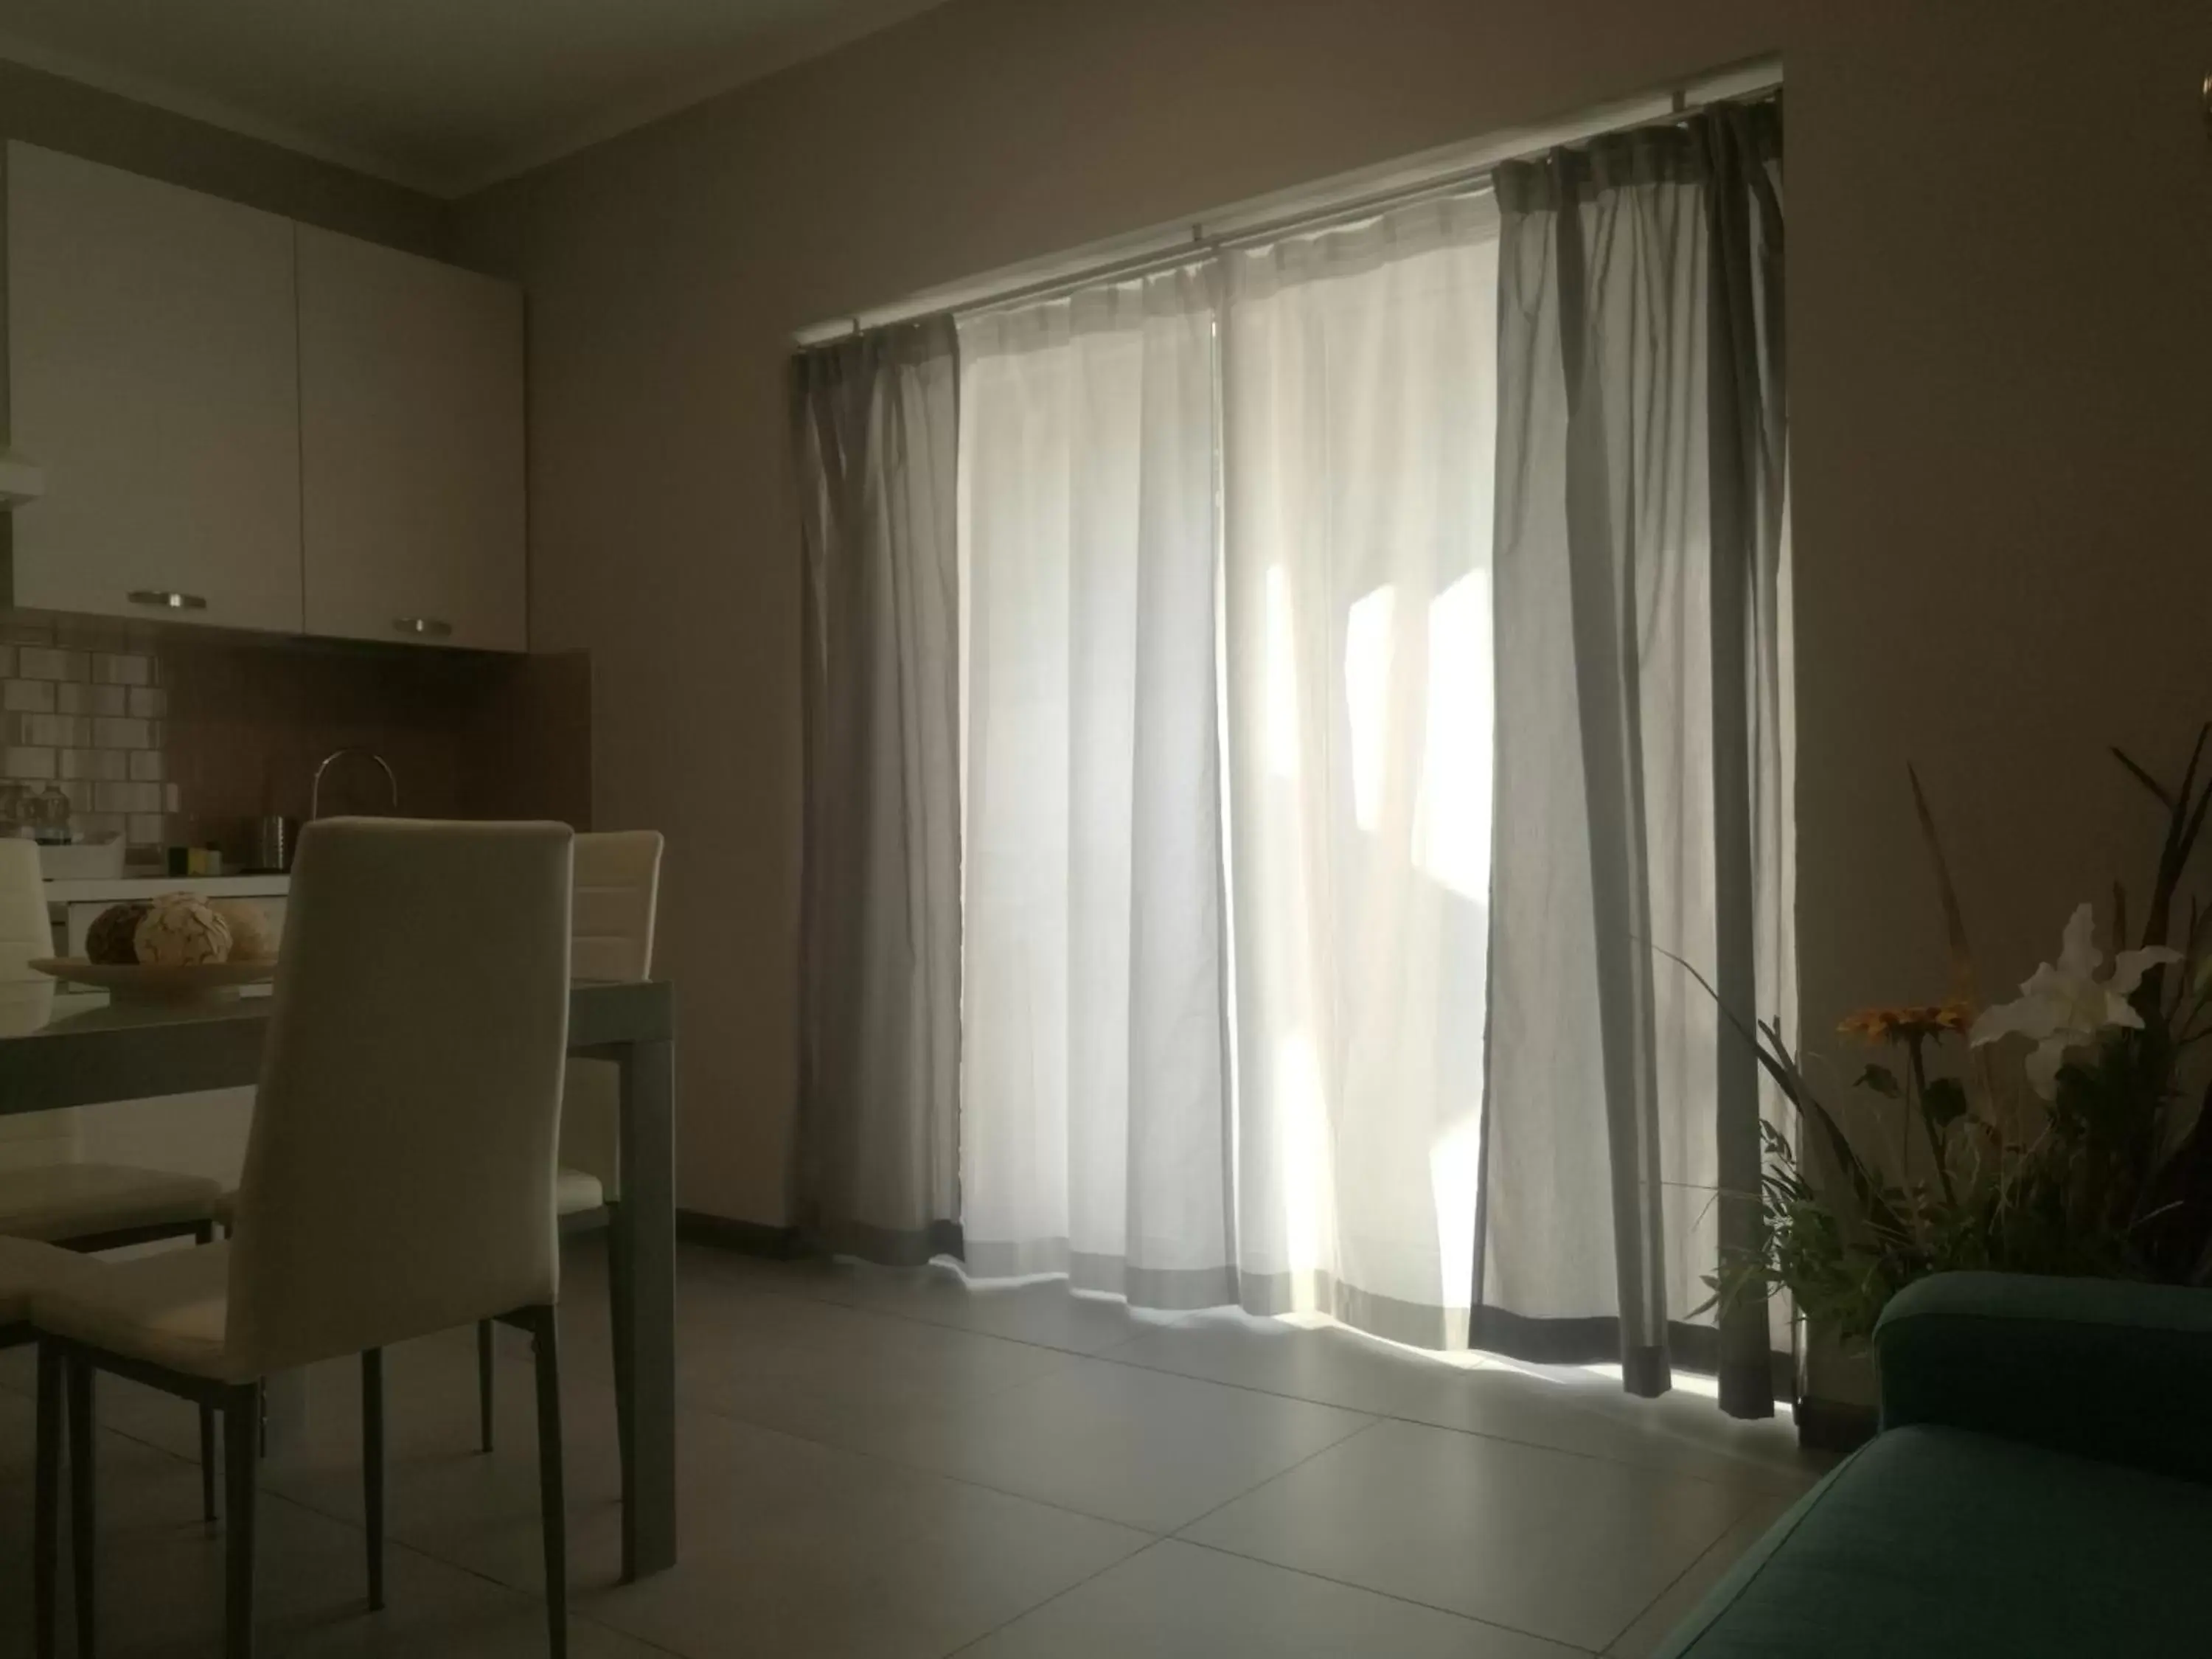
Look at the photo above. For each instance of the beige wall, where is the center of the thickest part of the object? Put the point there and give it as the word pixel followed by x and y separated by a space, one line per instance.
pixel 55 113
pixel 2001 334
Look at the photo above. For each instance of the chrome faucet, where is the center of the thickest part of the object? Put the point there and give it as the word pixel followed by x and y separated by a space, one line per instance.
pixel 315 788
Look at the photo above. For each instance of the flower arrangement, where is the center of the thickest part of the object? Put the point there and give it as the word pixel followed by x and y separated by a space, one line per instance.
pixel 2097 1161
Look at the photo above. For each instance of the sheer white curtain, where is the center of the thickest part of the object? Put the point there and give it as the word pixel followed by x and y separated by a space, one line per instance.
pixel 1095 1126
pixel 1360 406
pixel 1645 744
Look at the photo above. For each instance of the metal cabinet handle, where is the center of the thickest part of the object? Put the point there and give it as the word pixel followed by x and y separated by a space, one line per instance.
pixel 428 627
pixel 166 599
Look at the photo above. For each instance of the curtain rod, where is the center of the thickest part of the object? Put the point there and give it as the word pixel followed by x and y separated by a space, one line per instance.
pixel 1228 228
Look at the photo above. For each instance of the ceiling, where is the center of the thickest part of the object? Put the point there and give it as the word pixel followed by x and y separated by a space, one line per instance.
pixel 443 96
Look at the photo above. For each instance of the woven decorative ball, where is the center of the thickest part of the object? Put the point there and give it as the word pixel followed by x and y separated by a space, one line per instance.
pixel 182 931
pixel 113 937
pixel 251 937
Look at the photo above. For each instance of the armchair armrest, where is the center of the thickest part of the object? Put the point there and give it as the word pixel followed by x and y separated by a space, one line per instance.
pixel 2100 1368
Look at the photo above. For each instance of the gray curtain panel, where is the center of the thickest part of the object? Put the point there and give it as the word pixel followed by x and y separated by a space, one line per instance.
pixel 1642 745
pixel 877 424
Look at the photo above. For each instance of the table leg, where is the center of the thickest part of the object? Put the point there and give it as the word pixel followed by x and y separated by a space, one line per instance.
pixel 646 1252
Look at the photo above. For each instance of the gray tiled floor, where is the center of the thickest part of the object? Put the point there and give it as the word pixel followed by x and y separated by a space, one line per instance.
pixel 893 1464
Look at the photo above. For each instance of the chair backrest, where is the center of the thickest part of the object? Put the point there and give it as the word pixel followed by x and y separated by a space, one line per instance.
pixel 399 1173
pixel 618 902
pixel 26 998
pixel 618 896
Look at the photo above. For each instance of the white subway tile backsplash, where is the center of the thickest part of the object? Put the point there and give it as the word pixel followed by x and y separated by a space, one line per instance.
pixel 55 731
pixel 110 763
pixel 127 797
pixel 38 662
pixel 76 699
pixel 26 696
pixel 110 733
pixel 90 719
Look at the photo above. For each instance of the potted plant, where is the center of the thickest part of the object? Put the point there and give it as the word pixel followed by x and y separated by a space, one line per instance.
pixel 2090 1155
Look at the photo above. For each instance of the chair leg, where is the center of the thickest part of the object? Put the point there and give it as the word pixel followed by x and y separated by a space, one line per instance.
pixel 207 1462
pixel 371 1468
pixel 545 1348
pixel 205 1234
pixel 83 1518
pixel 483 1383
pixel 242 1408
pixel 46 1550
pixel 618 1316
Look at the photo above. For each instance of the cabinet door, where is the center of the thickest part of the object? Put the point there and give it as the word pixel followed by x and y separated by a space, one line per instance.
pixel 411 417
pixel 153 370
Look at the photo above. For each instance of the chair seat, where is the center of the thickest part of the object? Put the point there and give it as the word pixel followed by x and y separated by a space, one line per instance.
pixel 575 1191
pixel 27 1267
pixel 57 1203
pixel 170 1309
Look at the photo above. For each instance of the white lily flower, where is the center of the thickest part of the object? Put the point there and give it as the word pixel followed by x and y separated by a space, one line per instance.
pixel 2064 1004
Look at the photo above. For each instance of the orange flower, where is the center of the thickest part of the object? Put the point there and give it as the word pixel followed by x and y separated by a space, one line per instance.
pixel 1905 1022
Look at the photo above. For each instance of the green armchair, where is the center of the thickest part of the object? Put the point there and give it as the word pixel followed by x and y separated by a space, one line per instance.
pixel 2042 1484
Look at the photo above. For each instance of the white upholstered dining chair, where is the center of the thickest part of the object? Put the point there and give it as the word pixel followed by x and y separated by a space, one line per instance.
pixel 47 1192
pixel 398 1175
pixel 616 905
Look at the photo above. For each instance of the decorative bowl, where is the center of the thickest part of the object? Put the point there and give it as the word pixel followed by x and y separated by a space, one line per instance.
pixel 139 981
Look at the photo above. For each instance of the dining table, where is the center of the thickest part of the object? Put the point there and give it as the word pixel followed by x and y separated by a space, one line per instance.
pixel 64 1047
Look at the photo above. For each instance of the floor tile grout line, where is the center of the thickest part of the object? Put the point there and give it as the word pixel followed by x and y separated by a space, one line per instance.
pixel 952 1326
pixel 1392 1595
pixel 1107 1355
pixel 1345 1439
pixel 1694 1563
pixel 1151 1542
pixel 398 1540
pixel 923 1469
pixel 1175 1536
pixel 1374 1420
pixel 1148 1536
pixel 265 1492
pixel 1169 1318
pixel 1151 1536
pixel 842 1448
pixel 1391 1416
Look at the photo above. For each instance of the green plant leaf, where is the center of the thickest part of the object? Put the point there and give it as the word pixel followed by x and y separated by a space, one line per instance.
pixel 1881 1080
pixel 1963 980
pixel 1944 1100
pixel 2144 778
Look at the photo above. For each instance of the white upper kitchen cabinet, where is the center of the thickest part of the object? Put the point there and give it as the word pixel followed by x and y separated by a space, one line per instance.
pixel 411 447
pixel 153 372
